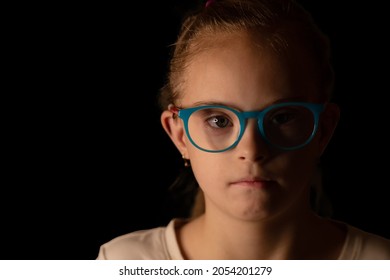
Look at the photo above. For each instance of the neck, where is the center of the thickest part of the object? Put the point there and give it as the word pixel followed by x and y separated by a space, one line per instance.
pixel 289 237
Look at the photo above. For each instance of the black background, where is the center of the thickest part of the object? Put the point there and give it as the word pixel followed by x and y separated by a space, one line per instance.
pixel 86 158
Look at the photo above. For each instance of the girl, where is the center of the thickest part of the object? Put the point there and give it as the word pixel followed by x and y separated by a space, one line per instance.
pixel 247 104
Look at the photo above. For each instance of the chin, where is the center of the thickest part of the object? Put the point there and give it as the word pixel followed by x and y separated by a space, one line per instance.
pixel 254 214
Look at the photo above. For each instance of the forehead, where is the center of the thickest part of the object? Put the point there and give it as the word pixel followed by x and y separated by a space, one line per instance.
pixel 234 68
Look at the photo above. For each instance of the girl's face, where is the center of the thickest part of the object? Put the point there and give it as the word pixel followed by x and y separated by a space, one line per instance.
pixel 252 181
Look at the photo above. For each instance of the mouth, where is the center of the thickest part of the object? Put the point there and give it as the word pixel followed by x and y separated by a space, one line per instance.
pixel 253 183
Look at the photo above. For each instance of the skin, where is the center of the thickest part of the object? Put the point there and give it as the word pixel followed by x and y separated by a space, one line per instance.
pixel 257 197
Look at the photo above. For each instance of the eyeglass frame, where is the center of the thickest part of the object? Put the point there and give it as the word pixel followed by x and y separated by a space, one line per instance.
pixel 185 113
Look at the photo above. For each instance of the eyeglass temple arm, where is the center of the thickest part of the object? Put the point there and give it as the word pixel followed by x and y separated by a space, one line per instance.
pixel 174 110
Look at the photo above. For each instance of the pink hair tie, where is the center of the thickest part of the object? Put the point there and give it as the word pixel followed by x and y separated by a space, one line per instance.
pixel 209 2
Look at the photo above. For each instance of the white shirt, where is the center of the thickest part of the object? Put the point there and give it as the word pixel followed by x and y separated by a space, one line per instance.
pixel 161 244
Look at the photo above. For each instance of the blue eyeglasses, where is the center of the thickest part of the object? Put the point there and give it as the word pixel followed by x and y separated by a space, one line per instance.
pixel 215 129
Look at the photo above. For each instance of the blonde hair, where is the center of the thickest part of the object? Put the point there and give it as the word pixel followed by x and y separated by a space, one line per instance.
pixel 273 23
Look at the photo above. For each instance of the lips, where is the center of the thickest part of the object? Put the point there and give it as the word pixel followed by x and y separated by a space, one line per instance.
pixel 253 182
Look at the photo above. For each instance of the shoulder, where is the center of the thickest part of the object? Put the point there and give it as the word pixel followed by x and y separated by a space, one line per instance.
pixel 363 245
pixel 141 245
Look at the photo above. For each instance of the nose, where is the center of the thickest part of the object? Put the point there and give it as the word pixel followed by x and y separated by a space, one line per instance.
pixel 252 146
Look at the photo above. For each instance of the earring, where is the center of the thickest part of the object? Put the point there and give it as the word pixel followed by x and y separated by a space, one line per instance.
pixel 187 162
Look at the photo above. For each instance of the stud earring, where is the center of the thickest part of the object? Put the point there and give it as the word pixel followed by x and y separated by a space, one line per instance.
pixel 187 162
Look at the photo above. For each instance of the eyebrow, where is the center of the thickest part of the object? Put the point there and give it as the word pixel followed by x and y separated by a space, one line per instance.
pixel 203 103
pixel 219 103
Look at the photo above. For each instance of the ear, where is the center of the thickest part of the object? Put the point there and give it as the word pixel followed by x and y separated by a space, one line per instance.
pixel 173 126
pixel 328 123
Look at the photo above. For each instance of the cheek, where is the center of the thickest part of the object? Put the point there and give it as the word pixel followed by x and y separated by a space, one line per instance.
pixel 299 166
pixel 208 168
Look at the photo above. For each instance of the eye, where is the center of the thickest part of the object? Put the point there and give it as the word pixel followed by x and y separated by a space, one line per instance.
pixel 283 117
pixel 219 121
